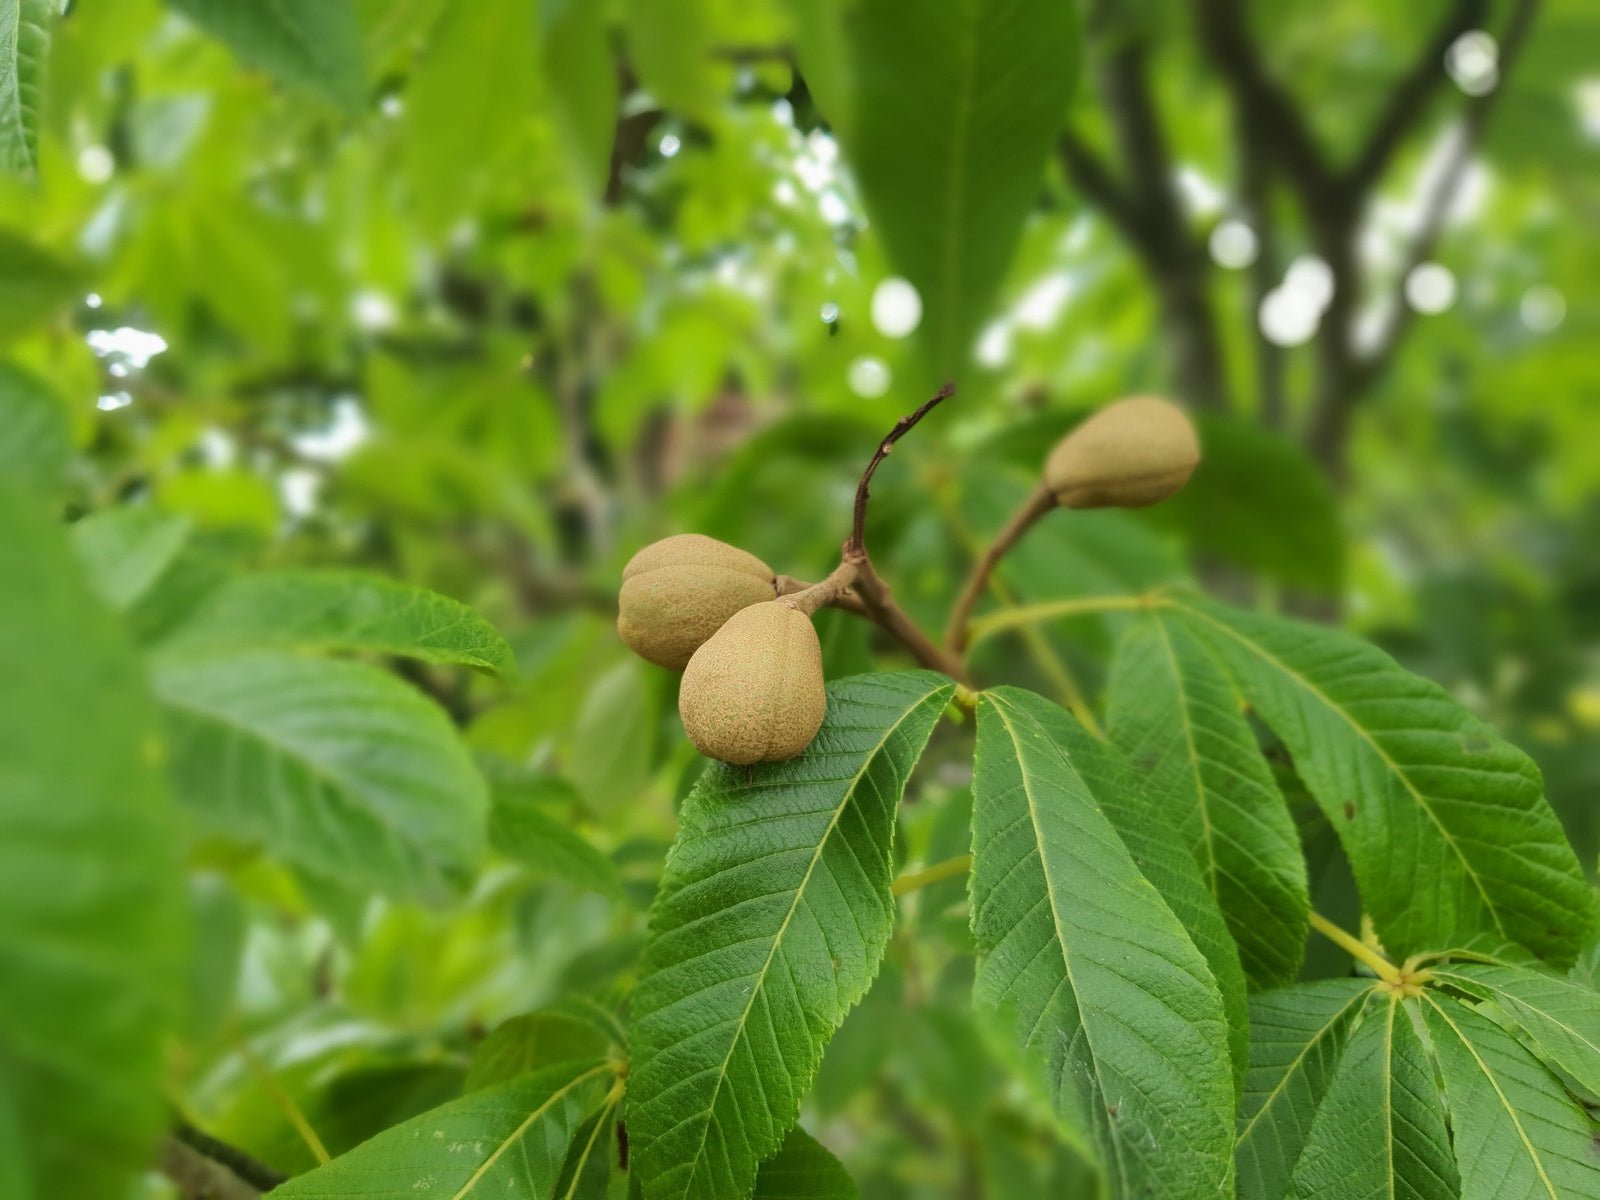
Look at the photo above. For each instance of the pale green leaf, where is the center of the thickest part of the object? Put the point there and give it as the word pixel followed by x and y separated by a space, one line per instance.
pixel 1518 1135
pixel 670 44
pixel 496 1143
pixel 310 44
pixel 1174 712
pixel 127 549
pixel 1558 1018
pixel 804 1169
pixel 522 827
pixel 336 766
pixel 34 285
pixel 1158 851
pixel 582 82
pixel 1296 1037
pixel 613 740
pixel 1380 1131
pixel 1104 985
pixel 769 926
pixel 24 48
pixel 952 110
pixel 35 436
pixel 92 909
pixel 341 610
pixel 1445 824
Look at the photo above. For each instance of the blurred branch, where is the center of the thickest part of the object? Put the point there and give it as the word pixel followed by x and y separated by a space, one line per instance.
pixel 1093 178
pixel 1409 100
pixel 1256 191
pixel 1436 207
pixel 203 1168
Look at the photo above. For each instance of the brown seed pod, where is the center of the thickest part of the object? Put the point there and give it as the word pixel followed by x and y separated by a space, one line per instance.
pixel 754 692
pixel 677 592
pixel 1131 453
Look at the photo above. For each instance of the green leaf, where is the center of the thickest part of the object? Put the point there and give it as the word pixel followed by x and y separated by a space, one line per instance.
pixel 1102 981
pixel 126 550
pixel 522 828
pixel 1517 1133
pixel 34 285
pixel 92 908
pixel 336 766
pixel 613 741
pixel 670 44
pixel 1296 1037
pixel 1560 1019
pixel 35 436
pixel 1258 500
pixel 582 79
pixel 24 49
pixel 1445 824
pixel 769 926
pixel 804 1169
pixel 310 44
pixel 503 1141
pixel 1380 1129
pixel 1158 851
pixel 533 1042
pixel 342 610
pixel 952 111
pixel 1177 716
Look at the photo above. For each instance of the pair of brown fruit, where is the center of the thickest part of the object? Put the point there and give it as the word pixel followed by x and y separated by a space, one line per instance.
pixel 752 688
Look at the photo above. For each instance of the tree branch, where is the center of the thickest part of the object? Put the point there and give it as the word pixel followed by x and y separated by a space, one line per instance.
pixel 1408 101
pixel 857 544
pixel 1091 176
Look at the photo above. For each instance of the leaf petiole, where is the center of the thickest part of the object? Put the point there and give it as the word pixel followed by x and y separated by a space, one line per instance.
pixel 1359 950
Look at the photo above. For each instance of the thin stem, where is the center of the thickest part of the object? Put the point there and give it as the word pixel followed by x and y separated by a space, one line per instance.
pixel 284 1101
pixel 1039 502
pixel 858 526
pixel 1033 614
pixel 809 599
pixel 1357 949
pixel 950 868
pixel 848 601
pixel 880 606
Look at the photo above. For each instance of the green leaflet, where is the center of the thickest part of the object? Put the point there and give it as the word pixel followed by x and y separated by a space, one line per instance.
pixel 34 284
pixel 948 112
pixel 336 766
pixel 24 49
pixel 342 610
pixel 1380 1128
pixel 1104 985
pixel 1560 1018
pixel 1517 1133
pixel 1296 1037
pixel 128 549
pixel 804 1169
pixel 533 1042
pixel 310 44
pixel 769 926
pixel 93 921
pixel 523 828
pixel 1445 824
pixel 504 1141
pixel 35 435
pixel 1178 718
pixel 1160 855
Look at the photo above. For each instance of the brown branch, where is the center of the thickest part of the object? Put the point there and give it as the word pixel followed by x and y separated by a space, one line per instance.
pixel 1408 101
pixel 1091 176
pixel 847 600
pixel 857 544
pixel 202 1167
pixel 1039 502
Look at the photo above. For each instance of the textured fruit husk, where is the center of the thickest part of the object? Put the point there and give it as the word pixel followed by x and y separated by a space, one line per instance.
pixel 679 591
pixel 1130 454
pixel 754 692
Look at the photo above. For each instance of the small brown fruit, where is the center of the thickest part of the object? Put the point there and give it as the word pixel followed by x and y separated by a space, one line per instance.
pixel 1129 454
pixel 754 692
pixel 679 591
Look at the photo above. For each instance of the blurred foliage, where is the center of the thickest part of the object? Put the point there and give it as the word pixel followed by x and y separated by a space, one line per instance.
pixel 482 297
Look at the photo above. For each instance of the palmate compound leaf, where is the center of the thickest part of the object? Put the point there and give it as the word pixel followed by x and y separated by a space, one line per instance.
pixel 1296 1037
pixel 335 766
pixel 1105 987
pixel 1161 857
pixel 92 908
pixel 1445 823
pixel 1558 1018
pixel 1380 1128
pixel 769 926
pixel 345 611
pixel 495 1143
pixel 1179 720
pixel 1518 1135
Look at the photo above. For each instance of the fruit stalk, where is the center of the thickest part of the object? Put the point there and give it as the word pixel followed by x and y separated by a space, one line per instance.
pixel 1040 501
